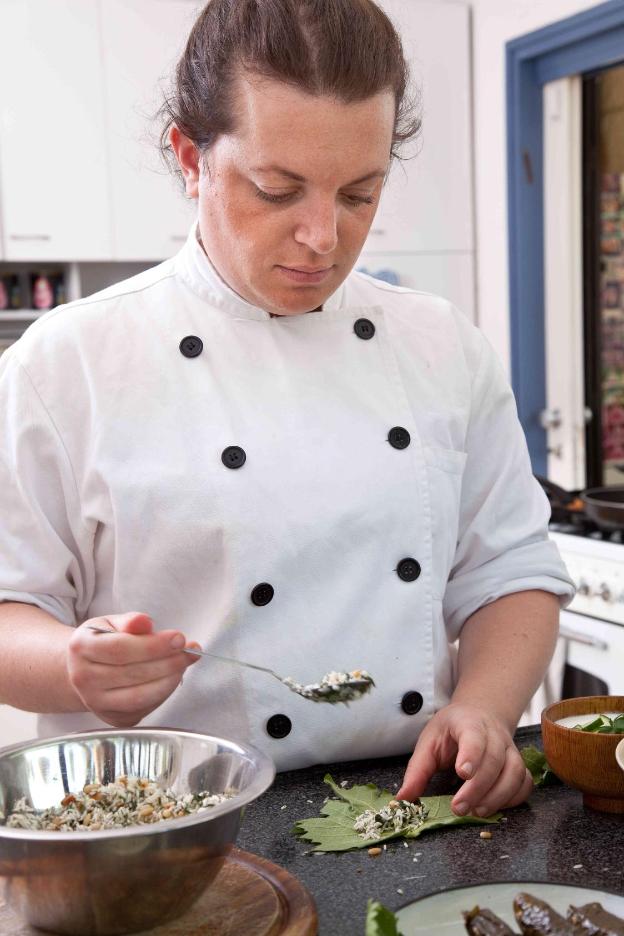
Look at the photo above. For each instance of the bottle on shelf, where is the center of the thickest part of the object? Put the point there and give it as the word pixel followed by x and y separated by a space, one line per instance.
pixel 10 292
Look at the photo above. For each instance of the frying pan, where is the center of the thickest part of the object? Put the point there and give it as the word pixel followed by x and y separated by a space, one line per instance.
pixel 603 505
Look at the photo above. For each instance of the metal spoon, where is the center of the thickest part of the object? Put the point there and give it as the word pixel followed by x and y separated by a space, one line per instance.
pixel 354 686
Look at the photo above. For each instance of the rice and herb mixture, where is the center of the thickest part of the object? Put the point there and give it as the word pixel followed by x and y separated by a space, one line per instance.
pixel 335 686
pixel 124 802
pixel 395 817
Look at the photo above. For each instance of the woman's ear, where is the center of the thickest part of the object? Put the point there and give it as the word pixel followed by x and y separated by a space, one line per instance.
pixel 188 159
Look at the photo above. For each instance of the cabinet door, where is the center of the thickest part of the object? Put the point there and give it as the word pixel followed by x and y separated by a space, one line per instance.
pixel 450 275
pixel 427 203
pixel 142 40
pixel 53 185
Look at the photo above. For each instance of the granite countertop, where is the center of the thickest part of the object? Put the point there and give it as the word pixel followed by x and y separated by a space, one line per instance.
pixel 551 838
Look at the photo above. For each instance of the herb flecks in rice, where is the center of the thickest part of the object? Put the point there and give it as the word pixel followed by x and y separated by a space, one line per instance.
pixel 397 816
pixel 335 687
pixel 125 802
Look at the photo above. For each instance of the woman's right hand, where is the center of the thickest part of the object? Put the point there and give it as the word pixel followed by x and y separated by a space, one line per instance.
pixel 123 676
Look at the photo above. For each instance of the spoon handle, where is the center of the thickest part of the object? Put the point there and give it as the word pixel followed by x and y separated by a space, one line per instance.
pixel 224 659
pixel 215 656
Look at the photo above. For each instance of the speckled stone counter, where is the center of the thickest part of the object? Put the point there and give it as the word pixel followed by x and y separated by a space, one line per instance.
pixel 551 838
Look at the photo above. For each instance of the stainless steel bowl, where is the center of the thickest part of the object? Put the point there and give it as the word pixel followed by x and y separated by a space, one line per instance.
pixel 129 879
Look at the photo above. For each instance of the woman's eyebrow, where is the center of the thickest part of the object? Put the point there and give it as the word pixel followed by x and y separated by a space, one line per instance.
pixel 374 174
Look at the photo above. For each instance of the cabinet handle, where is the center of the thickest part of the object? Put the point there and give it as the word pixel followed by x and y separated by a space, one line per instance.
pixel 579 637
pixel 30 237
pixel 178 238
pixel 377 231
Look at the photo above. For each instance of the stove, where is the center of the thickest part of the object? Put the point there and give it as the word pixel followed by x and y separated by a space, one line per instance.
pixel 592 626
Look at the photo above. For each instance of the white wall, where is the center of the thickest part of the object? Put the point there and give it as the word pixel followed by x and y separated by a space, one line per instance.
pixel 495 22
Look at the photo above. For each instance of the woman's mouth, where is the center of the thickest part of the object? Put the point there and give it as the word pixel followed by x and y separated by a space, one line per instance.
pixel 310 275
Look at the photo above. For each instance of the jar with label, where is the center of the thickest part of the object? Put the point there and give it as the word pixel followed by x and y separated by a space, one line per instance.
pixel 42 291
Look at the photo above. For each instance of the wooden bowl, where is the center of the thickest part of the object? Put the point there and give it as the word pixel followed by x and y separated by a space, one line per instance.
pixel 582 759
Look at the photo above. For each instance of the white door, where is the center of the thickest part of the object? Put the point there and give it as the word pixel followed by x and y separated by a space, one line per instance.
pixel 564 416
pixel 142 40
pixel 54 193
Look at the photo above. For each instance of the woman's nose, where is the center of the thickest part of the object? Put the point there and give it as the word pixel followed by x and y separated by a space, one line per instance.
pixel 318 228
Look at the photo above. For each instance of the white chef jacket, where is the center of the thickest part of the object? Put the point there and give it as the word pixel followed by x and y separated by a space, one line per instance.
pixel 116 495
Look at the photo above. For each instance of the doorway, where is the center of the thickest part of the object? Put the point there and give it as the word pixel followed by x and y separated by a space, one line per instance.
pixel 580 45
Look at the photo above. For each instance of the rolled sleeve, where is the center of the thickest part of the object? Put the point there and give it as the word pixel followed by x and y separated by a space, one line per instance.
pixel 503 544
pixel 45 548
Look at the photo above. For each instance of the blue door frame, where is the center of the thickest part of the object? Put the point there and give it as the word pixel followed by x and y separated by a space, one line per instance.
pixel 586 41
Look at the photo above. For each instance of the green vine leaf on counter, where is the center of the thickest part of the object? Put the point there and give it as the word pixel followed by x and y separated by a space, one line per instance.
pixel 539 768
pixel 334 831
pixel 380 921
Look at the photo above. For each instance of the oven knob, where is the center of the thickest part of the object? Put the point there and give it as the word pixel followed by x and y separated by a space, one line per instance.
pixel 583 587
pixel 605 592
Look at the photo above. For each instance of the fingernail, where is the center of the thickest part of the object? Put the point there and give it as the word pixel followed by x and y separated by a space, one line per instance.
pixel 460 809
pixel 481 811
pixel 177 642
pixel 466 769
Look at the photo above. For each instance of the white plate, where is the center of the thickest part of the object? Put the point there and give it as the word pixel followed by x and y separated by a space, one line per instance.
pixel 441 914
pixel 619 754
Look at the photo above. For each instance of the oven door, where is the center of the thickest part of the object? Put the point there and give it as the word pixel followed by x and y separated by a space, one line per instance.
pixel 588 660
pixel 594 655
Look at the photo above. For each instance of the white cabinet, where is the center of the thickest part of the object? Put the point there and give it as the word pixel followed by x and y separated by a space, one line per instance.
pixel 427 204
pixel 423 230
pixel 80 174
pixel 142 40
pixel 54 191
pixel 16 726
pixel 445 274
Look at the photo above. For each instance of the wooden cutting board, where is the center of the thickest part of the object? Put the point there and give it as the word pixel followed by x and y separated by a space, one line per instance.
pixel 250 895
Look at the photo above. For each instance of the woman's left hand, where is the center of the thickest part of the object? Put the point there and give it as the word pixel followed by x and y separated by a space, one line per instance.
pixel 481 747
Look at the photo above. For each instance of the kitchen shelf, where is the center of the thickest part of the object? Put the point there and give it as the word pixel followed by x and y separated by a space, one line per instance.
pixel 21 315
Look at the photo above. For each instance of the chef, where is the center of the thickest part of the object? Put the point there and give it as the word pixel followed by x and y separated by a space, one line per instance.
pixel 253 449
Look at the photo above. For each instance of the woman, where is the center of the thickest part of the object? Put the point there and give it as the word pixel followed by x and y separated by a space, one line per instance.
pixel 255 449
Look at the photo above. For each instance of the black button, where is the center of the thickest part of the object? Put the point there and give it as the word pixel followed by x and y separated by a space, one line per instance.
pixel 233 456
pixel 278 726
pixel 364 329
pixel 399 438
pixel 411 703
pixel 408 570
pixel 261 594
pixel 191 346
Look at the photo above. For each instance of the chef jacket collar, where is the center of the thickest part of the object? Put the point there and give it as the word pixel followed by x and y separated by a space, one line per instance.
pixel 199 274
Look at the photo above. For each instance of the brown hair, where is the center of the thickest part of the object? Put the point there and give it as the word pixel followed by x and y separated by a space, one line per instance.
pixel 347 49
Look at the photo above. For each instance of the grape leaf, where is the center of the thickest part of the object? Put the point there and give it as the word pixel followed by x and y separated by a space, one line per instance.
pixel 594 725
pixel 360 797
pixel 604 725
pixel 380 921
pixel 539 768
pixel 334 831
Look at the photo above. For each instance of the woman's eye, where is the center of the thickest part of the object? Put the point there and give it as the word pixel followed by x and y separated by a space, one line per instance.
pixel 279 198
pixel 359 199
pixel 275 199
